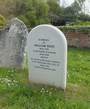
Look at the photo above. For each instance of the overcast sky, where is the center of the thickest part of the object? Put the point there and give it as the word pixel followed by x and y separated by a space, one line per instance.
pixel 68 2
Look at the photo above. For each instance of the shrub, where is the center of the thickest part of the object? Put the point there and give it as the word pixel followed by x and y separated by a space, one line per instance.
pixel 2 21
pixel 80 23
pixel 82 29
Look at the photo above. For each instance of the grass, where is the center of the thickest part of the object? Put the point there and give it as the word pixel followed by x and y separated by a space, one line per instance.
pixel 17 93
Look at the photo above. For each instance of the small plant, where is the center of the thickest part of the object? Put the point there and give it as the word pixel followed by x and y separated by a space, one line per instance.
pixel 2 21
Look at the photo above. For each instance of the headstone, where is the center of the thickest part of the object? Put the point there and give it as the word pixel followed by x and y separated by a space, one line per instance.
pixel 47 56
pixel 12 44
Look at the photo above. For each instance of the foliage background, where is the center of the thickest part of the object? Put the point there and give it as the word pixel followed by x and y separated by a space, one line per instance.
pixel 34 12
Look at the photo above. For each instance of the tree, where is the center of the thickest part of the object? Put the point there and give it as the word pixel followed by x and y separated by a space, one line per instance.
pixel 84 17
pixel 80 3
pixel 55 11
pixel 42 10
pixel 6 7
pixel 73 11
pixel 36 12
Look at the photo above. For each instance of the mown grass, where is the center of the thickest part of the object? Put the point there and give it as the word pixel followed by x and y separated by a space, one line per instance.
pixel 17 93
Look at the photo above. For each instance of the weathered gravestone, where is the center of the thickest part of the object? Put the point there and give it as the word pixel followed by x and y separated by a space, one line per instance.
pixel 12 44
pixel 47 56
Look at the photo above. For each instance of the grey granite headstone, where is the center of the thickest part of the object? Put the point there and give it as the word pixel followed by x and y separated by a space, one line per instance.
pixel 12 44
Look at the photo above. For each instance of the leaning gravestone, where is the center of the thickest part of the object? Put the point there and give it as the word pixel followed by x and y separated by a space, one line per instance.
pixel 47 56
pixel 12 44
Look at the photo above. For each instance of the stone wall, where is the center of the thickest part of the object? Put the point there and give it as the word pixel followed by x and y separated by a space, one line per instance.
pixel 77 36
pixel 78 39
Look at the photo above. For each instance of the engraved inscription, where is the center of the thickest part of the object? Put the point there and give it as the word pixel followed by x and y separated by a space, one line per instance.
pixel 45 51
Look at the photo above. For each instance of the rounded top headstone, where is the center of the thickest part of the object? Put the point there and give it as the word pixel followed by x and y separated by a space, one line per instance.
pixel 13 44
pixel 47 52
pixel 48 29
pixel 18 26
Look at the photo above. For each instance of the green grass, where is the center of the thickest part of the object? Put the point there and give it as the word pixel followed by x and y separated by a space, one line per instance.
pixel 17 93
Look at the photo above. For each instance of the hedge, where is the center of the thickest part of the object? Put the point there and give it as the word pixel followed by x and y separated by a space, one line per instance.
pixel 83 29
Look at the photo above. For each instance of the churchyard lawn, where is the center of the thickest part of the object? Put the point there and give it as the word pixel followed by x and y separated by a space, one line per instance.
pixel 17 93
